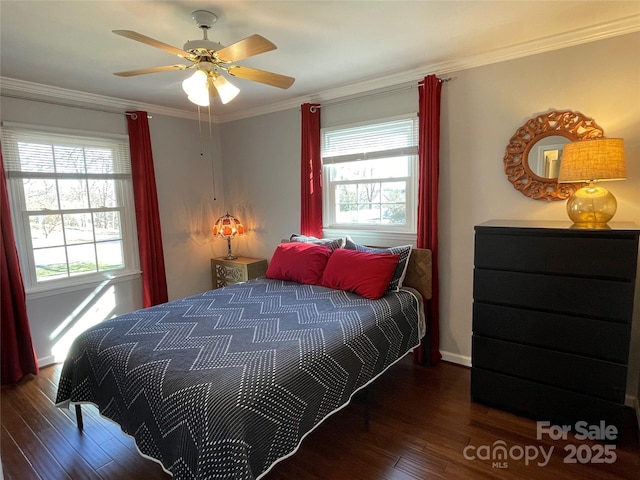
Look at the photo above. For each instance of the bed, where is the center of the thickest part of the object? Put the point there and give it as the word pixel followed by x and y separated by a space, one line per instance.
pixel 226 383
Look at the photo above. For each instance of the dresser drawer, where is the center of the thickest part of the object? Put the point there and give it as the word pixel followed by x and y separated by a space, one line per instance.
pixel 598 378
pixel 589 297
pixel 566 333
pixel 571 254
pixel 542 402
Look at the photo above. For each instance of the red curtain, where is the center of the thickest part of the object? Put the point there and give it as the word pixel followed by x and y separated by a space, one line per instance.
pixel 428 169
pixel 311 169
pixel 18 356
pixel 154 282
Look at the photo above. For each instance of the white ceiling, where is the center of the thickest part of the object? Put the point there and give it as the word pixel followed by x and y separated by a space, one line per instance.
pixel 332 48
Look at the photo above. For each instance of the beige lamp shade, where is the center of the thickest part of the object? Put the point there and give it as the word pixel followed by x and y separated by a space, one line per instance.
pixel 593 160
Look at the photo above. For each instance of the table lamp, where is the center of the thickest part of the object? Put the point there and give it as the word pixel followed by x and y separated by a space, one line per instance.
pixel 591 161
pixel 228 227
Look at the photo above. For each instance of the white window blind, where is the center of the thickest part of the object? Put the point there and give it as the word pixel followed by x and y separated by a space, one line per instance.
pixel 30 153
pixel 369 141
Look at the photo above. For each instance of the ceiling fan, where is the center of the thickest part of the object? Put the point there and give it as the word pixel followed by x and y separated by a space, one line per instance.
pixel 210 59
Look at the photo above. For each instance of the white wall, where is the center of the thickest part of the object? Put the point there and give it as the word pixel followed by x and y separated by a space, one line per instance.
pixel 481 109
pixel 184 180
pixel 184 185
pixel 262 167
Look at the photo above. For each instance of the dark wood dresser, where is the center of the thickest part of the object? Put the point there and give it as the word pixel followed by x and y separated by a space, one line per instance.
pixel 552 319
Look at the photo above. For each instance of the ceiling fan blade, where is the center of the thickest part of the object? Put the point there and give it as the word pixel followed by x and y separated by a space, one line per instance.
pixel 247 47
pixel 268 78
pixel 144 71
pixel 151 41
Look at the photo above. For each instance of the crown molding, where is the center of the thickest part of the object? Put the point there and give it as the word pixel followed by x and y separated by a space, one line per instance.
pixel 572 38
pixel 34 91
pixel 11 87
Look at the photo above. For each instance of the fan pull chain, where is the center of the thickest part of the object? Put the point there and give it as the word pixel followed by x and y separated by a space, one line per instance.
pixel 200 131
pixel 213 175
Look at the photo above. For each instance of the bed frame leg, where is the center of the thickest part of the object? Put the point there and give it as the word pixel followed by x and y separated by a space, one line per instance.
pixel 79 421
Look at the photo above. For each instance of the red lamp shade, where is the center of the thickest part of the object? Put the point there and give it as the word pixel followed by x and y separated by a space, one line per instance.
pixel 227 227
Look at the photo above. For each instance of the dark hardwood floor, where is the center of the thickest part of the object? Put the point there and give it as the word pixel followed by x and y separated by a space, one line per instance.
pixel 421 424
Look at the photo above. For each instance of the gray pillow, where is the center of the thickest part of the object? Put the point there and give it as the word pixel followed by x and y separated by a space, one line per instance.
pixel 331 243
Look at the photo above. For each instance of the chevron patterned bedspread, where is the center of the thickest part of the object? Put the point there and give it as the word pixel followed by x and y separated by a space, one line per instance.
pixel 223 384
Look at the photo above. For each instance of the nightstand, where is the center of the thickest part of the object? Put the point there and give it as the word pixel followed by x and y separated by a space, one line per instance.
pixel 227 272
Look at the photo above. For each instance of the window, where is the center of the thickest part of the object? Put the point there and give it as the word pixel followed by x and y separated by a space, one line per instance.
pixel 369 175
pixel 72 206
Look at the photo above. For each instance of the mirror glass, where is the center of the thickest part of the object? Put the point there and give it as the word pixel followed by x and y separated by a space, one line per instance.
pixel 545 156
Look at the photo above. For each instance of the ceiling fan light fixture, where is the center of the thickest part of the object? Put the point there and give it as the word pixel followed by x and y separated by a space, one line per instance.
pixel 226 89
pixel 195 83
pixel 196 88
pixel 200 99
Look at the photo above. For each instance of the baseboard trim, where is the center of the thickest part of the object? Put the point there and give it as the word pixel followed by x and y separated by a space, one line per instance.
pixel 456 358
pixel 46 361
pixel 630 400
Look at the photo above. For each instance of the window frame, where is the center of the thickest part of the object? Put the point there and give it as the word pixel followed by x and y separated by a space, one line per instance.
pixel 12 134
pixel 391 231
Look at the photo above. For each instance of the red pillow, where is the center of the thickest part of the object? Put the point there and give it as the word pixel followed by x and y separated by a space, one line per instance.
pixel 364 273
pixel 299 262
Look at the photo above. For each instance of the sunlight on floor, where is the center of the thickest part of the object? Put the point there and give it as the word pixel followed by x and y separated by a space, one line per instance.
pixel 97 307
